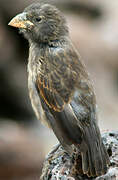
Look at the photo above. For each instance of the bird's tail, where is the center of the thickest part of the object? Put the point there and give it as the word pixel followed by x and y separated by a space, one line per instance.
pixel 95 159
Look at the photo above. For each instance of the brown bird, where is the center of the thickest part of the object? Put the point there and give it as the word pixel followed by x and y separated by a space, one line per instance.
pixel 60 90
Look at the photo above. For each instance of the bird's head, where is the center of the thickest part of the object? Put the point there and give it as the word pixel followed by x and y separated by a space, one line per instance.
pixel 41 23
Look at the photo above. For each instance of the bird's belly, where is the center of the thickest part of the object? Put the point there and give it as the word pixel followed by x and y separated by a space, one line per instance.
pixel 35 100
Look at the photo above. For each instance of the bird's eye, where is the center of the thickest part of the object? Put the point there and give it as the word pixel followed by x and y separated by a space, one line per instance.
pixel 38 19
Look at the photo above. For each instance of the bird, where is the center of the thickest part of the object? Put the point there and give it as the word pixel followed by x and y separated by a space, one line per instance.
pixel 60 89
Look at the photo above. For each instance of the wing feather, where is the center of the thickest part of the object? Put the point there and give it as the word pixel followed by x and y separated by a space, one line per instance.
pixel 56 81
pixel 60 77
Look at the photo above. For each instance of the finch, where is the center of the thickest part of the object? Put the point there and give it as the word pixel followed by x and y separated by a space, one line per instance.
pixel 60 90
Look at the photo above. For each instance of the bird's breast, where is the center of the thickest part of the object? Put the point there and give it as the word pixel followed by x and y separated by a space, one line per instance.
pixel 33 93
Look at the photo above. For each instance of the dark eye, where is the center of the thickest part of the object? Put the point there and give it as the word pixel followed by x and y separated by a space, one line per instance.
pixel 38 19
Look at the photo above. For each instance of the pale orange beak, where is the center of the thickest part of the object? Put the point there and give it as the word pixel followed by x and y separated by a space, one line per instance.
pixel 20 21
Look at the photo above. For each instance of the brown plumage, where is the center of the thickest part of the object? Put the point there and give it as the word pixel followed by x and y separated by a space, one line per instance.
pixel 60 90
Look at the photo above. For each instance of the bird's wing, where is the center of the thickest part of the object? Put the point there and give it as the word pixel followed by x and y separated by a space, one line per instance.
pixel 60 78
pixel 56 81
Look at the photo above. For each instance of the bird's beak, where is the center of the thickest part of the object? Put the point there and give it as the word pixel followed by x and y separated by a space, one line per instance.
pixel 20 21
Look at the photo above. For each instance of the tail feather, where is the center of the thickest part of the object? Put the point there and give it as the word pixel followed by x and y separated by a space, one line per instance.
pixel 85 162
pixel 95 159
pixel 91 168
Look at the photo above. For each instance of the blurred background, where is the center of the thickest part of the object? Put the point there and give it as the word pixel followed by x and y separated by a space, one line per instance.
pixel 24 142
